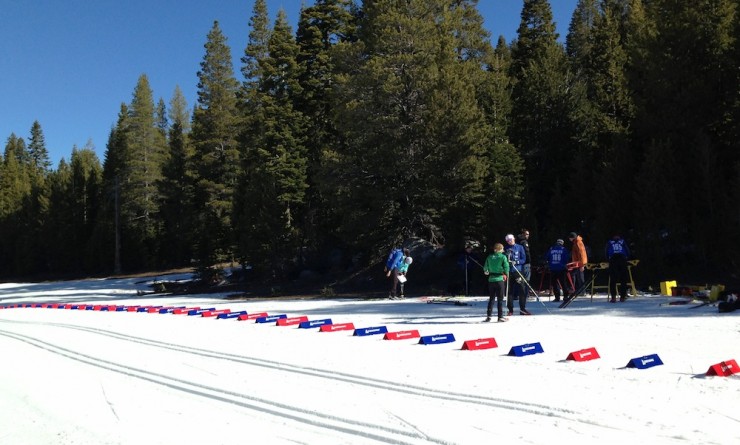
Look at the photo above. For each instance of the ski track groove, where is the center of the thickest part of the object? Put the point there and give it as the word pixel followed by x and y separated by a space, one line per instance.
pixel 337 424
pixel 229 396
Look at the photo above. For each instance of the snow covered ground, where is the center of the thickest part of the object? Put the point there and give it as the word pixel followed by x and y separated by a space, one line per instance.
pixel 127 377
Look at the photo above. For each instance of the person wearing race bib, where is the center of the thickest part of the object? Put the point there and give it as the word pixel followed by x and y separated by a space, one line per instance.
pixel 558 258
pixel 617 253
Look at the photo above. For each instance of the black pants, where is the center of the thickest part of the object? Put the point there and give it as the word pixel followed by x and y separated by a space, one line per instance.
pixel 559 282
pixel 578 280
pixel 618 273
pixel 496 292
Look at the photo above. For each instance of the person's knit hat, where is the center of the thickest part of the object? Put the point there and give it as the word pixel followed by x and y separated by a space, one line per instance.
pixel 572 235
pixel 509 237
pixel 560 242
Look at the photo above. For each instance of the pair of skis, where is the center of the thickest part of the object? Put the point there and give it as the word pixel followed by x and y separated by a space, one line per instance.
pixel 569 298
pixel 446 300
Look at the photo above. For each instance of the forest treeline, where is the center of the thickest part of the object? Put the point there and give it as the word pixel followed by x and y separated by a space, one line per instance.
pixel 380 121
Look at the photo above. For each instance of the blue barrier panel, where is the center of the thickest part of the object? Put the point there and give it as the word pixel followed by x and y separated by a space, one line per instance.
pixel 314 323
pixel 528 349
pixel 167 310
pixel 198 311
pixel 371 331
pixel 230 315
pixel 436 339
pixel 644 362
pixel 270 318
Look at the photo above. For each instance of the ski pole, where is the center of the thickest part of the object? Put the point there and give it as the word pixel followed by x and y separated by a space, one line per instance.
pixel 537 296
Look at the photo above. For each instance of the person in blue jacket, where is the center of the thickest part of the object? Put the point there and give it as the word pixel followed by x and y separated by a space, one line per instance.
pixel 392 265
pixel 517 257
pixel 617 252
pixel 558 258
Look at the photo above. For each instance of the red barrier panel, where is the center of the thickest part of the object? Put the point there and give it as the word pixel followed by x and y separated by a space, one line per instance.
pixel 584 355
pixel 401 335
pixel 184 310
pixel 724 369
pixel 291 320
pixel 481 343
pixel 214 313
pixel 253 316
pixel 337 327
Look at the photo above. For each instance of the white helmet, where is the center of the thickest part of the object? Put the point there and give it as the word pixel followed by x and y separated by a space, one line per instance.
pixel 409 260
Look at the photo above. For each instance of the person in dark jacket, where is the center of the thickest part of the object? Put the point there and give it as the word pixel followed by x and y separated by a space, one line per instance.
pixel 468 262
pixel 527 266
pixel 617 252
pixel 516 255
pixel 558 258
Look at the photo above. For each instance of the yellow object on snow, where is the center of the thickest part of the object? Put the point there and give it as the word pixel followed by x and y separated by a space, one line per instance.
pixel 665 287
pixel 714 292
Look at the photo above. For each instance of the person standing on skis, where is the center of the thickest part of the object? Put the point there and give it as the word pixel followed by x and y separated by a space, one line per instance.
pixel 558 258
pixel 517 257
pixel 617 253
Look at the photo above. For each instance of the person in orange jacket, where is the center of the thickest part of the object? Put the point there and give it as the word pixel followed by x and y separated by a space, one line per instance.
pixel 578 254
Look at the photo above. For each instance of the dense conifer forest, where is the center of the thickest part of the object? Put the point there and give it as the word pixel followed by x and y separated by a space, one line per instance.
pixel 381 121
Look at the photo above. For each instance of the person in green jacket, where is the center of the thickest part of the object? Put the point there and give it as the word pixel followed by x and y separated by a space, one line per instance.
pixel 496 268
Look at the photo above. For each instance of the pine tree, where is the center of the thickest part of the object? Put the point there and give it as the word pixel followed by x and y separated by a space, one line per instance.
pixel 321 27
pixel 504 190
pixel 416 137
pixel 109 228
pixel 274 183
pixel 133 166
pixel 74 203
pixel 176 189
pixel 140 197
pixel 39 155
pixel 686 81
pixel 579 41
pixel 215 129
pixel 545 105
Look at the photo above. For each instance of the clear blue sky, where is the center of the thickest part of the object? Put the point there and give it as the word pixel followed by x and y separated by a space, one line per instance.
pixel 71 63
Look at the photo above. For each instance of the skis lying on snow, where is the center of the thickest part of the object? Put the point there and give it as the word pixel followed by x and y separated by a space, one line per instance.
pixel 705 303
pixel 676 303
pixel 444 300
pixel 569 298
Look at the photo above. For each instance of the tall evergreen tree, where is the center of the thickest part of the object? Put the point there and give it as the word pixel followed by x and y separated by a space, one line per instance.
pixel 133 165
pixel 74 205
pixel 176 189
pixel 215 129
pixel 686 83
pixel 109 228
pixel 140 197
pixel 504 189
pixel 542 116
pixel 321 27
pixel 15 187
pixel 39 155
pixel 274 183
pixel 416 138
